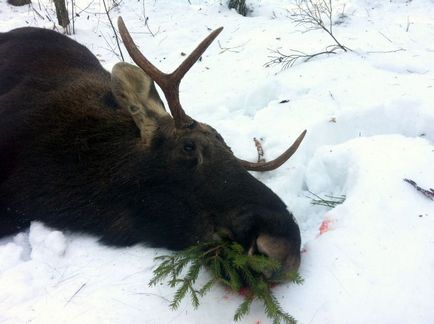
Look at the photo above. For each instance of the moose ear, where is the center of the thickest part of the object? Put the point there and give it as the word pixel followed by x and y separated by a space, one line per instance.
pixel 135 91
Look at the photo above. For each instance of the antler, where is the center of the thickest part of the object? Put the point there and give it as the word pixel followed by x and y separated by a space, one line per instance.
pixel 272 165
pixel 169 83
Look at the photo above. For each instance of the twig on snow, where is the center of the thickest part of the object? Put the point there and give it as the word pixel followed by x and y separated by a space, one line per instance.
pixel 312 15
pixel 75 294
pixel 316 14
pixel 260 149
pixel 230 49
pixel 147 21
pixel 427 193
pixel 288 60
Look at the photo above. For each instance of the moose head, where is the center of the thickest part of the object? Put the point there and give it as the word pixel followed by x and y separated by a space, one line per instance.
pixel 133 174
pixel 215 181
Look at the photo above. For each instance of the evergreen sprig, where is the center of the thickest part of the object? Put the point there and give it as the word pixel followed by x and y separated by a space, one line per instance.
pixel 229 265
pixel 328 201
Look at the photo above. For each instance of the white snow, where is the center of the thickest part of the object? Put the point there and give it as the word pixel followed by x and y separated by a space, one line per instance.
pixel 370 120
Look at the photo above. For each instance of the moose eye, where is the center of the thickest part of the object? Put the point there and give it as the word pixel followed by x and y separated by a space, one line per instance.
pixel 189 146
pixel 133 109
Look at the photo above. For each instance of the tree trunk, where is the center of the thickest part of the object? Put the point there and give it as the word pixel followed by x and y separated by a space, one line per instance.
pixel 62 13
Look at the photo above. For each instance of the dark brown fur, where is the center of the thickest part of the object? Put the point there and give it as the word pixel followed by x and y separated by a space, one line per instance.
pixel 72 157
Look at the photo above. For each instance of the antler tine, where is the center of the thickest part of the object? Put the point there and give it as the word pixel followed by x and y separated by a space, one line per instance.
pixel 179 73
pixel 170 89
pixel 137 56
pixel 272 165
pixel 169 83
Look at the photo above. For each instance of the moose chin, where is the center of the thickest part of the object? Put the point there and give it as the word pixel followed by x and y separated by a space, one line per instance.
pixel 89 151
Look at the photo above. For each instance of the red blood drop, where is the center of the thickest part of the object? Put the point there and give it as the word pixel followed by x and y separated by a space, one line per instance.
pixel 324 226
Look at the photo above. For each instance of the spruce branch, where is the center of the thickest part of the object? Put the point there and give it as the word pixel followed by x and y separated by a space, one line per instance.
pixel 229 265
pixel 244 308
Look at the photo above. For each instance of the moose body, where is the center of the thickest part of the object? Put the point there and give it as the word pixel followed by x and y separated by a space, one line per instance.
pixel 85 150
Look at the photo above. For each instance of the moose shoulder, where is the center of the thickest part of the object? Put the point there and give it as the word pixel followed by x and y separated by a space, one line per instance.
pixel 85 150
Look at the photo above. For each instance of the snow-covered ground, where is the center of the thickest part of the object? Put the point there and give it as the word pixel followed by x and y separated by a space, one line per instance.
pixel 370 120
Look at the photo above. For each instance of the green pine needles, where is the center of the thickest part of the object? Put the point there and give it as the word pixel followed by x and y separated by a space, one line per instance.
pixel 328 201
pixel 229 265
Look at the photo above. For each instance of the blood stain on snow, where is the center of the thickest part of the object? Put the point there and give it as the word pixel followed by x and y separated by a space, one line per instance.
pixel 325 226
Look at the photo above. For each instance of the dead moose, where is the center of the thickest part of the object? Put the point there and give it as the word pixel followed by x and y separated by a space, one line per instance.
pixel 85 150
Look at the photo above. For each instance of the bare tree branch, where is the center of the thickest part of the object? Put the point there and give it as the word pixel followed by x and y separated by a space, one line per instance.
pixel 260 149
pixel 114 29
pixel 427 193
pixel 316 14
pixel 312 15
